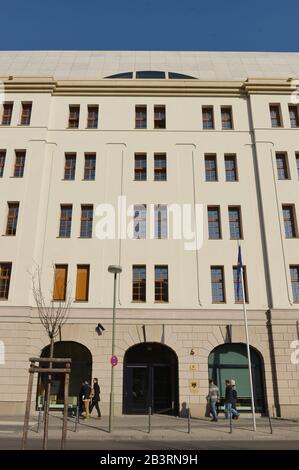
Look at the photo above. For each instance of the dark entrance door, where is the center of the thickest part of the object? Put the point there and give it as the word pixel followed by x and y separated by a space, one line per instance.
pixel 150 379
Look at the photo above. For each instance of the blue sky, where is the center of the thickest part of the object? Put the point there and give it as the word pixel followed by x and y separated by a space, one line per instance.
pixel 257 25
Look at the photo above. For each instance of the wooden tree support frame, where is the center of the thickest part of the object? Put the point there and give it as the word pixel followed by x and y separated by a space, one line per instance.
pixel 49 370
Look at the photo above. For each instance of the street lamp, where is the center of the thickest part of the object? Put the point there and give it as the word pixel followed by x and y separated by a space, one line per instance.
pixel 114 269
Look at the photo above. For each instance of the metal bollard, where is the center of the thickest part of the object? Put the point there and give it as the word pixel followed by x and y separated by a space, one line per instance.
pixel 230 423
pixel 189 421
pixel 149 420
pixel 77 418
pixel 270 422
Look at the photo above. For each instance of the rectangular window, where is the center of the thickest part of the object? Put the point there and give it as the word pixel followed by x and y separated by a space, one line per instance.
pixel 217 280
pixel 19 163
pixel 159 117
pixel 282 166
pixel 294 117
pixel 2 162
pixel 289 220
pixel 238 290
pixel 214 223
pixel 26 114
pixel 275 115
pixel 235 227
pixel 161 222
pixel 74 115
pixel 139 283
pixel 230 168
pixel 70 166
pixel 86 221
pixel 211 168
pixel 92 117
pixel 140 167
pixel 160 170
pixel 12 218
pixel 140 221
pixel 140 117
pixel 226 117
pixel 161 283
pixel 5 275
pixel 82 286
pixel 65 226
pixel 7 114
pixel 294 271
pixel 90 167
pixel 60 282
pixel 207 117
pixel 297 164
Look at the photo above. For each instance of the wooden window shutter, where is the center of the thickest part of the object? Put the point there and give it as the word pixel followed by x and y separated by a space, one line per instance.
pixel 60 282
pixel 82 283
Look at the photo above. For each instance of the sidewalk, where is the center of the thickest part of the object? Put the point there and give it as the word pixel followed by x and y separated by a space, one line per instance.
pixel 162 428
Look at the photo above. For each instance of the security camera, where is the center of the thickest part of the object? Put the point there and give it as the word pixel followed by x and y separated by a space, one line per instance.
pixel 100 329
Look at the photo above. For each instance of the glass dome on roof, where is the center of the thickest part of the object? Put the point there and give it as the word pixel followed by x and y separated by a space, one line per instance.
pixel 152 74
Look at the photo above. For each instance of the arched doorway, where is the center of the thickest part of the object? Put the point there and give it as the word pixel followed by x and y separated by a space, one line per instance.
pixel 150 379
pixel 229 361
pixel 81 369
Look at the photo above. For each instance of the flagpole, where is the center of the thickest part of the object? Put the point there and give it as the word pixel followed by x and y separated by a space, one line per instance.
pixel 248 348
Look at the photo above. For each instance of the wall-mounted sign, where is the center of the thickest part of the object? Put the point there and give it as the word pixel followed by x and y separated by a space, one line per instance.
pixel 193 386
pixel 193 367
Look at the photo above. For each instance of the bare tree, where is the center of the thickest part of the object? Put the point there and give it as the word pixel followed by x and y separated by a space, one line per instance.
pixel 53 313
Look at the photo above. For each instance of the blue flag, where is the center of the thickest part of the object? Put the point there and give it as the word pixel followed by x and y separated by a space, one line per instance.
pixel 239 274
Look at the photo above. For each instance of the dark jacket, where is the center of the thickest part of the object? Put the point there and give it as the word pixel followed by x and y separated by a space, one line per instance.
pixel 235 397
pixel 96 392
pixel 85 391
pixel 229 395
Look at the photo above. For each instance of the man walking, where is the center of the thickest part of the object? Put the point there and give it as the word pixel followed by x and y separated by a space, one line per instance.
pixel 230 401
pixel 95 397
pixel 213 398
pixel 86 392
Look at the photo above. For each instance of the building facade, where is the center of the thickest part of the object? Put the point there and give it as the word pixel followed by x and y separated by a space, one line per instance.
pixel 85 136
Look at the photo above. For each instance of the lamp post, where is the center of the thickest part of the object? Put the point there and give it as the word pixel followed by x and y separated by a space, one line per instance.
pixel 114 269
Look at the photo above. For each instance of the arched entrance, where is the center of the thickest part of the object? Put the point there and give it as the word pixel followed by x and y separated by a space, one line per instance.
pixel 81 369
pixel 150 379
pixel 229 361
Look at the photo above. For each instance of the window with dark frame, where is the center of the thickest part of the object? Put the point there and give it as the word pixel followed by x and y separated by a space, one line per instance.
pixel 60 282
pixel 139 283
pixel 207 117
pixel 217 281
pixel 159 117
pixel 74 116
pixel 294 116
pixel 226 117
pixel 19 163
pixel 5 276
pixel 65 226
pixel 92 117
pixel 214 224
pixel 86 221
pixel 275 115
pixel 282 166
pixel 161 284
pixel 70 166
pixel 211 168
pixel 89 166
pixel 289 220
pixel 7 114
pixel 235 226
pixel 294 272
pixel 230 162
pixel 140 170
pixel 26 114
pixel 12 218
pixel 160 169
pixel 140 117
pixel 238 289
pixel 82 284
pixel 2 162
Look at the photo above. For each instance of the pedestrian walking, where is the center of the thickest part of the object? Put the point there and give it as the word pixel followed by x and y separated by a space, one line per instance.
pixel 86 393
pixel 95 398
pixel 230 401
pixel 235 397
pixel 213 399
